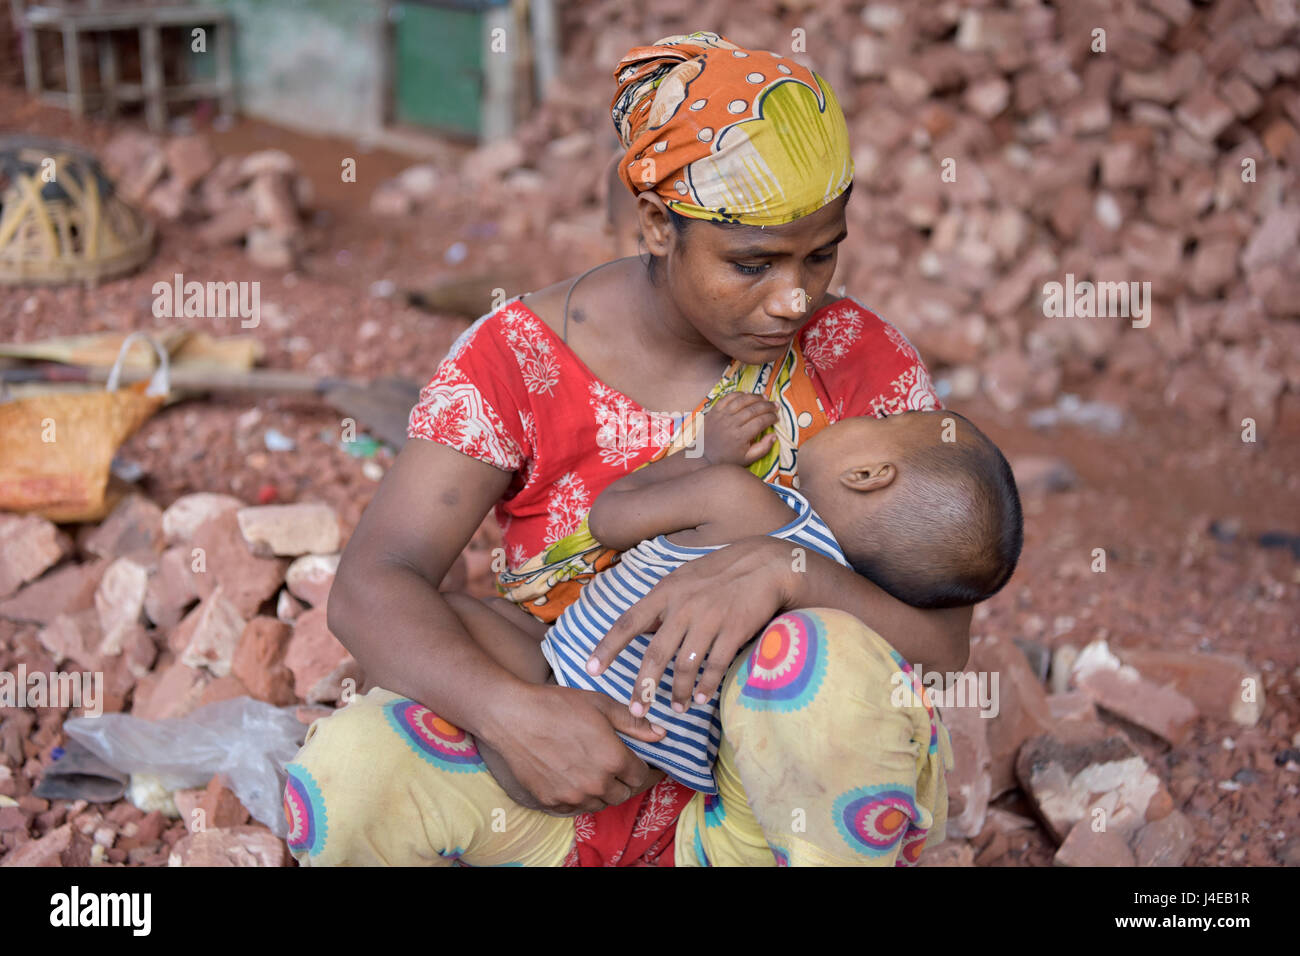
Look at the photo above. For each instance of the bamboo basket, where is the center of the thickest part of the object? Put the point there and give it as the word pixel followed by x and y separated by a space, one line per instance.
pixel 73 228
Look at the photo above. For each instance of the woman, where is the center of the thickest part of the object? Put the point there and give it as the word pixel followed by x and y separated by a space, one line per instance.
pixel 542 404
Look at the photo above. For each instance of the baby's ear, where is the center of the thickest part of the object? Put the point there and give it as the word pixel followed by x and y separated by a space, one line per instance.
pixel 870 477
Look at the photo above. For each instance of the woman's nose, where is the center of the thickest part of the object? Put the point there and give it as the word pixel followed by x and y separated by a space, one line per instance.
pixel 790 300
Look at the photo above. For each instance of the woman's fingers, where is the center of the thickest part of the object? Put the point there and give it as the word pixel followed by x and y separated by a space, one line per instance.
pixel 687 665
pixel 660 653
pixel 639 618
pixel 721 657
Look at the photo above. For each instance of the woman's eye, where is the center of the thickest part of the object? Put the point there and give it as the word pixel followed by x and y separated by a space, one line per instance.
pixel 749 270
pixel 824 257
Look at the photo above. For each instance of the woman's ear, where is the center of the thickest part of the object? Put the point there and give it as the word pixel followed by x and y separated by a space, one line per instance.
pixel 656 230
pixel 872 477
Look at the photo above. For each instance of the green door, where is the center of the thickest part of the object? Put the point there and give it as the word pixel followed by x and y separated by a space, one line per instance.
pixel 438 71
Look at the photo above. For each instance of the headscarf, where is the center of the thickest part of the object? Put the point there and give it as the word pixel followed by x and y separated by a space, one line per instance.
pixel 729 134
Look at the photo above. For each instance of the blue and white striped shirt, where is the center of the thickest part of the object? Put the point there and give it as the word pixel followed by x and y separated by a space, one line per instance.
pixel 690 747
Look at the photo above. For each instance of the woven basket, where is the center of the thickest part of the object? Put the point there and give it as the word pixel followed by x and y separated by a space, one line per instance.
pixel 72 228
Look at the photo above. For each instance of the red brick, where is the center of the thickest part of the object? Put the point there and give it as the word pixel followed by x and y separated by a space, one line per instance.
pixel 1215 683
pixel 172 691
pixel 132 530
pixel 1085 847
pixel 310 577
pixel 28 545
pixel 188 512
pixel 290 530
pixel 1164 842
pixel 172 588
pixel 1022 706
pixel 246 579
pixel 60 847
pixel 189 159
pixel 1161 710
pixel 317 659
pixel 259 661
pixel 214 628
pixel 1240 97
pixel 64 590
pixel 1081 767
pixel 969 783
pixel 233 846
pixel 1204 115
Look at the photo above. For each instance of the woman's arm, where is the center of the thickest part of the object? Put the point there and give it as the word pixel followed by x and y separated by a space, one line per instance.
pixel 385 608
pixel 936 639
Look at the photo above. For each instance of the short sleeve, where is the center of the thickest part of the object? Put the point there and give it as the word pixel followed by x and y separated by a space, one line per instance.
pixel 866 366
pixel 474 402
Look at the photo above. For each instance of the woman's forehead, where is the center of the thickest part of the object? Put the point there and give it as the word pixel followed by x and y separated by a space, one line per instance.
pixel 823 228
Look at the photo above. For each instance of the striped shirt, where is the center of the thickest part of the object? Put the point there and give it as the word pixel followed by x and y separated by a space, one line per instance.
pixel 690 747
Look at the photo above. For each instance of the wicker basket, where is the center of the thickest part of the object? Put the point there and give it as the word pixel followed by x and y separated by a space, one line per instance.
pixel 73 228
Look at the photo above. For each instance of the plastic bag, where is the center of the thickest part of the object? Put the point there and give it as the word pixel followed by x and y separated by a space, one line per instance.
pixel 247 740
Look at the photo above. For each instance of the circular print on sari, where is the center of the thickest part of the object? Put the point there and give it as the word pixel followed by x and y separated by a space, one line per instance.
pixel 873 819
pixel 442 744
pixel 786 666
pixel 304 811
pixel 913 844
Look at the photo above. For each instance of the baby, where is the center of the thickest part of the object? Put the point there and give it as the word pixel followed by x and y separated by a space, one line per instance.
pixel 921 503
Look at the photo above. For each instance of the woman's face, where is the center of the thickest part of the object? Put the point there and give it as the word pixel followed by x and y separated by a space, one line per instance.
pixel 746 289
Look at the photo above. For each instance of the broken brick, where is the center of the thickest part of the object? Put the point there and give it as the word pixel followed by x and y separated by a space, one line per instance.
pixel 318 661
pixel 132 530
pixel 28 545
pixel 259 661
pixel 309 577
pixel 1222 686
pixel 1083 771
pixel 232 846
pixel 64 590
pixel 245 578
pixel 188 512
pixel 1084 846
pixel 213 629
pixel 1022 706
pixel 290 530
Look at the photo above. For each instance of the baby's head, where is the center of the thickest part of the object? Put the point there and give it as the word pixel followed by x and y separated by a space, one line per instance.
pixel 922 503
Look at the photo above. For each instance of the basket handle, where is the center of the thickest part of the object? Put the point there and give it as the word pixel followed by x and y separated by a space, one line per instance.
pixel 160 383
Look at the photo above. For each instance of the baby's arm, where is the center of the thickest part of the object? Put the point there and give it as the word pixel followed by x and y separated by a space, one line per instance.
pixel 508 633
pixel 686 491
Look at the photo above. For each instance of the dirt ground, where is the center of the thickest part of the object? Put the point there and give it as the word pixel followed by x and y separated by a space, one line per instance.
pixel 1147 495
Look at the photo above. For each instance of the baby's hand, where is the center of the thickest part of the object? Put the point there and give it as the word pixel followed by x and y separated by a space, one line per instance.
pixel 731 426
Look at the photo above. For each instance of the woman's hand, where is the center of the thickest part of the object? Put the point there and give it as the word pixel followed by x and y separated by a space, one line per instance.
pixel 709 607
pixel 732 425
pixel 560 746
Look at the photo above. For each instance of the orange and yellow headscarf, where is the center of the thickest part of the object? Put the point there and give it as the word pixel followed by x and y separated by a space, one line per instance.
pixel 728 134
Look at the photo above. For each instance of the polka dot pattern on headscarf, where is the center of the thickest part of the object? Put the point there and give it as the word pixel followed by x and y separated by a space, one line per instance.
pixel 727 134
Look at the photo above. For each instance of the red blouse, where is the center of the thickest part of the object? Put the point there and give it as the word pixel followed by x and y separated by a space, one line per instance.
pixel 512 393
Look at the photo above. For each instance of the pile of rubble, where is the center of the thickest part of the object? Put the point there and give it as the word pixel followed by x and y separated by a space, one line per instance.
pixel 1000 147
pixel 258 198
pixel 1072 731
pixel 204 601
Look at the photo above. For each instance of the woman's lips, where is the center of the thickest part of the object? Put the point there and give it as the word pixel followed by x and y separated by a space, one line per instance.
pixel 772 340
